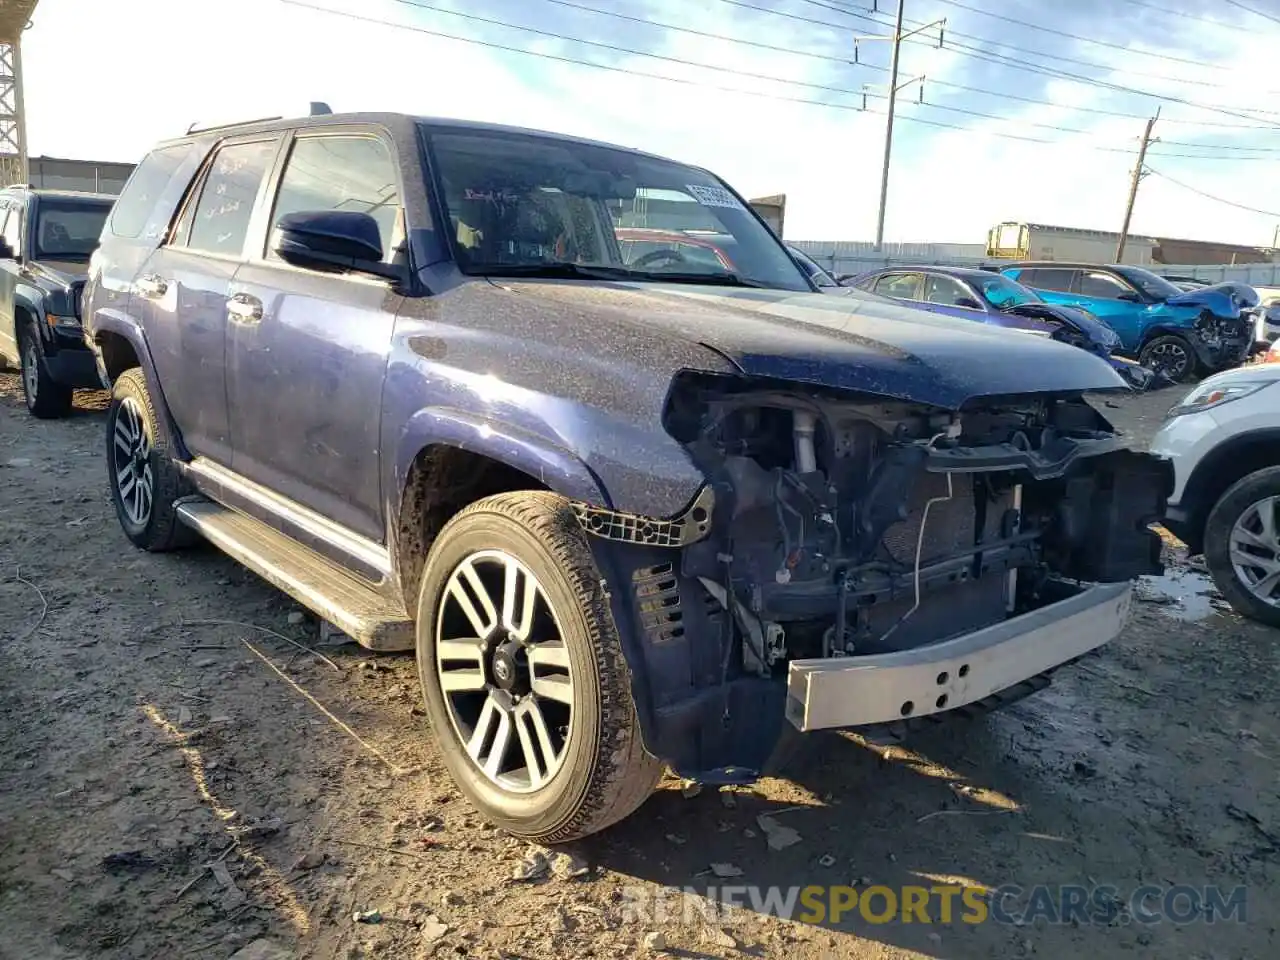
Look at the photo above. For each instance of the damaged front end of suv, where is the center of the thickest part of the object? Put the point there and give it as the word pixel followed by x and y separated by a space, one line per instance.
pixel 857 560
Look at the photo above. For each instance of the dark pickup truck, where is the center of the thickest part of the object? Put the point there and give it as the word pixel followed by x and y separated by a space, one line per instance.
pixel 46 240
pixel 629 513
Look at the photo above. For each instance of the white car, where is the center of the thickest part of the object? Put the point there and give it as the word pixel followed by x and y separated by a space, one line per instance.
pixel 1224 440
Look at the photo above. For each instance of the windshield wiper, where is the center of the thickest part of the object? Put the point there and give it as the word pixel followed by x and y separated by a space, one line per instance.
pixel 556 269
pixel 563 270
pixel 724 279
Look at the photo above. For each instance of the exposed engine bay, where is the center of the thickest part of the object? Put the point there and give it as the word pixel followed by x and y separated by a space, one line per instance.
pixel 847 525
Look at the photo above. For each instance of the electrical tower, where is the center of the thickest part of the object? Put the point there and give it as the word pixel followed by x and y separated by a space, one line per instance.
pixel 15 17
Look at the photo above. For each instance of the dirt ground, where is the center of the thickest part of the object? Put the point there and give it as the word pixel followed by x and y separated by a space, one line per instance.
pixel 141 740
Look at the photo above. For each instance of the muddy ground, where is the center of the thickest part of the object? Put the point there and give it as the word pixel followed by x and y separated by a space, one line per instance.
pixel 140 740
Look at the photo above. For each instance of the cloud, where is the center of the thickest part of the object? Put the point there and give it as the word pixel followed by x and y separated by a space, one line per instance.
pixel 106 80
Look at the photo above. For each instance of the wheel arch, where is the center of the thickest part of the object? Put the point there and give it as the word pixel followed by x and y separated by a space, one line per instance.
pixel 119 344
pixel 24 311
pixel 1220 470
pixel 448 459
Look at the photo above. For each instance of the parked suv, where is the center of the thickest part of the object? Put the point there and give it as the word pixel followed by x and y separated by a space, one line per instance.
pixel 46 237
pixel 628 516
pixel 1179 333
pixel 1223 439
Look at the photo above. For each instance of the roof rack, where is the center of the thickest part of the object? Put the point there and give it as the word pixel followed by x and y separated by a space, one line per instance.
pixel 196 128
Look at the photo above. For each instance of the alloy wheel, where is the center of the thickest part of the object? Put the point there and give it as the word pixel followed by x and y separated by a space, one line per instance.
pixel 503 669
pixel 31 371
pixel 131 462
pixel 1171 358
pixel 1255 550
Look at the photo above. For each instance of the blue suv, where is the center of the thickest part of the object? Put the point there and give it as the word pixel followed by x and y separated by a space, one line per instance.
pixel 1179 333
pixel 628 514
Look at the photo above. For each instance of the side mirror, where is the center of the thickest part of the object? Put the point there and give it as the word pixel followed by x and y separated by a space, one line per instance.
pixel 332 240
pixel 1129 297
pixel 6 251
pixel 969 302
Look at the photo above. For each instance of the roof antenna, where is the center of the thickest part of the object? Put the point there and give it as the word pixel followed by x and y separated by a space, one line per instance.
pixel 319 109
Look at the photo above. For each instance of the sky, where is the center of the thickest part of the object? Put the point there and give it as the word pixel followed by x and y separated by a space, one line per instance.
pixel 106 79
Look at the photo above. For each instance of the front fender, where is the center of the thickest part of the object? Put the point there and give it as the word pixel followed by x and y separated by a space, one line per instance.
pixel 30 299
pixel 554 466
pixel 123 325
pixel 1186 330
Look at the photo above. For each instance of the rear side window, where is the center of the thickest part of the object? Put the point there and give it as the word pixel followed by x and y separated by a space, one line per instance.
pixel 136 207
pixel 945 290
pixel 219 221
pixel 341 173
pixel 1048 278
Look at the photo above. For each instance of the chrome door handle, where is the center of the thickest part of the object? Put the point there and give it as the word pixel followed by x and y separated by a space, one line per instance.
pixel 151 285
pixel 243 308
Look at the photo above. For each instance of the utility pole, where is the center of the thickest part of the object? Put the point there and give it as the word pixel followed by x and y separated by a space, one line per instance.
pixel 888 130
pixel 894 86
pixel 1138 174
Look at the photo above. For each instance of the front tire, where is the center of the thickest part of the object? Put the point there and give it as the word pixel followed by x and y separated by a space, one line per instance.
pixel 46 398
pixel 523 673
pixel 1242 546
pixel 1171 355
pixel 145 482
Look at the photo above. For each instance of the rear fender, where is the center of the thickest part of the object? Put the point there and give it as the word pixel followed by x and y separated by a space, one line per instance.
pixel 121 324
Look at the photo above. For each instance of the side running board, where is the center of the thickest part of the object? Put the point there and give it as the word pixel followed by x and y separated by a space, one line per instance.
pixel 330 592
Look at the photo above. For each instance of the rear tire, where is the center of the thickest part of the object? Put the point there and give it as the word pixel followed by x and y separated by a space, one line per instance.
pixel 1172 355
pixel 145 482
pixel 46 398
pixel 1240 552
pixel 591 769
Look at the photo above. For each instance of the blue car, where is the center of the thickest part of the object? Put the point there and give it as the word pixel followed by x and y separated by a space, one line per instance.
pixel 1181 333
pixel 989 297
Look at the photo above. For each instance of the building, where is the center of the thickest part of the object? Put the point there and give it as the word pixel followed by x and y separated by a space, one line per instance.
pixel 1039 241
pixel 772 210
pixel 92 176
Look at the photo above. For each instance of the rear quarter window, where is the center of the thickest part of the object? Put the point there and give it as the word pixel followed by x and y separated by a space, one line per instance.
pixel 153 191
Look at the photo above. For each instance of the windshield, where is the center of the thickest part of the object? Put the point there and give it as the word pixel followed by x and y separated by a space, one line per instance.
pixel 524 204
pixel 1155 287
pixel 68 229
pixel 1002 292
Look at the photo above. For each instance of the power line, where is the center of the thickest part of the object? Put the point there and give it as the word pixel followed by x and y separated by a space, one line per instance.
pixel 844 61
pixel 1013 63
pixel 827 88
pixel 1190 16
pixel 1075 36
pixel 726 89
pixel 1028 51
pixel 1257 13
pixel 1001 60
pixel 1210 196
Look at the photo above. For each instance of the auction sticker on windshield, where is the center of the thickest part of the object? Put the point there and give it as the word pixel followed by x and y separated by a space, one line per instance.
pixel 713 196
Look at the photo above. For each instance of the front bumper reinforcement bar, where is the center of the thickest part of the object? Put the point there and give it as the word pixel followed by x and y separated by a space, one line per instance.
pixel 888 687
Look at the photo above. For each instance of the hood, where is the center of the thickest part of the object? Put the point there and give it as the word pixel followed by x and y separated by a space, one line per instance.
pixel 861 343
pixel 1084 322
pixel 59 272
pixel 1224 299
